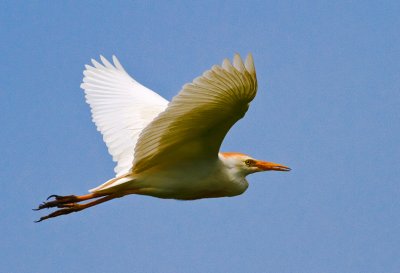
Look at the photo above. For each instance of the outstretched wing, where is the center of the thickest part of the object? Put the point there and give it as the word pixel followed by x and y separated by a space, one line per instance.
pixel 198 118
pixel 121 108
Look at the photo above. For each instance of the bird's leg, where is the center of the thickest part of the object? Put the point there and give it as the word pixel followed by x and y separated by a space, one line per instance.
pixel 59 201
pixel 74 207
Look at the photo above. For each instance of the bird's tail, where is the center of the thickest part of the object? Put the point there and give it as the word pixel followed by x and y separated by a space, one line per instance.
pixel 112 183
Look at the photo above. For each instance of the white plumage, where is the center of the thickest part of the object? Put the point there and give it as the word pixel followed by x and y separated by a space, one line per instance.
pixel 169 150
pixel 121 108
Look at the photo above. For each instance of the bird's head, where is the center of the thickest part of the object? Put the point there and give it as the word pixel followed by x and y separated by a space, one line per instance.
pixel 245 164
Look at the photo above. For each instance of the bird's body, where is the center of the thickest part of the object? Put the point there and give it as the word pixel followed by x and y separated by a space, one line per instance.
pixel 188 181
pixel 169 149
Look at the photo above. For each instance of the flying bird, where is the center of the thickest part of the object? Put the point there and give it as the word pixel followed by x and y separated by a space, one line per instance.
pixel 168 149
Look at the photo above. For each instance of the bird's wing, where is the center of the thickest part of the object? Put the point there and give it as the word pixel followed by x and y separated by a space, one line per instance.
pixel 198 118
pixel 121 108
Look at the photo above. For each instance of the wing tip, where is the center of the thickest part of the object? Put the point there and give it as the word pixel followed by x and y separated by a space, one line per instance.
pixel 238 63
pixel 226 64
pixel 117 63
pixel 249 64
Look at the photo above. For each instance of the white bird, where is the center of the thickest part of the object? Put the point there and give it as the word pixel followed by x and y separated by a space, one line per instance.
pixel 168 149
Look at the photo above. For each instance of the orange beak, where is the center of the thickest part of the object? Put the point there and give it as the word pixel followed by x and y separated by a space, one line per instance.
pixel 271 166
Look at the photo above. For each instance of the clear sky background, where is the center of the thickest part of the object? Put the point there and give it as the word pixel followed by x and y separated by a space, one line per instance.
pixel 328 106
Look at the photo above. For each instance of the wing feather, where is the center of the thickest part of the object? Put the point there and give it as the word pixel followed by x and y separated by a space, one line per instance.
pixel 198 118
pixel 121 108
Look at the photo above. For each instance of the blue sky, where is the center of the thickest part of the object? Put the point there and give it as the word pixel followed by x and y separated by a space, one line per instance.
pixel 328 106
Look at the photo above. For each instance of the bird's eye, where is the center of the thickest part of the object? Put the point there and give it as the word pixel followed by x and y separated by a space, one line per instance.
pixel 249 162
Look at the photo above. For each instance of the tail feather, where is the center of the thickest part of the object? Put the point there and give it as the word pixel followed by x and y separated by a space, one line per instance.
pixel 112 183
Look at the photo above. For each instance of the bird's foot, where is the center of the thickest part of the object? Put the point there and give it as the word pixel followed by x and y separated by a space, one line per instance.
pixel 68 208
pixel 69 203
pixel 59 201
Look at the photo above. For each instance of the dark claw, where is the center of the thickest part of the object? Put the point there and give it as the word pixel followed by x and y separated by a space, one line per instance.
pixel 44 206
pixel 38 208
pixel 53 195
pixel 41 206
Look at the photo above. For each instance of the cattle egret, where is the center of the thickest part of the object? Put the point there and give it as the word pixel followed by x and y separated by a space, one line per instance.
pixel 168 149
